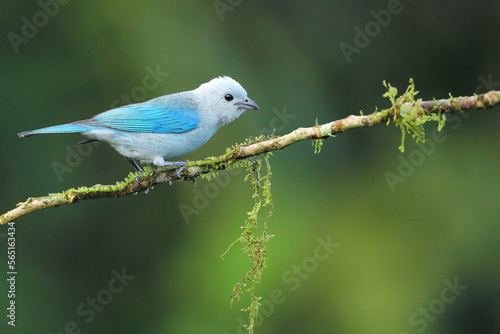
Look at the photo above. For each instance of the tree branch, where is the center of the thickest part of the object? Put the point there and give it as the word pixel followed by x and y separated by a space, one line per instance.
pixel 404 110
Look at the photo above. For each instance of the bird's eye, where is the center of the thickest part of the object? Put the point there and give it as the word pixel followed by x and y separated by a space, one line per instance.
pixel 228 97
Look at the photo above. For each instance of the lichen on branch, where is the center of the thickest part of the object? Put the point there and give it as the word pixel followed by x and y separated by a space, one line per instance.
pixel 254 242
pixel 408 114
pixel 405 112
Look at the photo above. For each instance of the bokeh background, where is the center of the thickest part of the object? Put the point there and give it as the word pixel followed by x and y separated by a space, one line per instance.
pixel 351 253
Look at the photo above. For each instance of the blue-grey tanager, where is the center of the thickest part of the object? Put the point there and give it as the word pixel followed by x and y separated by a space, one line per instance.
pixel 166 127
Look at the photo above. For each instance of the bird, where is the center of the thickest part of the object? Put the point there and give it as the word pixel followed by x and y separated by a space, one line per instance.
pixel 164 128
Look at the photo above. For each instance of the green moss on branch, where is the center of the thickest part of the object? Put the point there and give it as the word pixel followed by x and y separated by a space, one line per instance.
pixel 406 112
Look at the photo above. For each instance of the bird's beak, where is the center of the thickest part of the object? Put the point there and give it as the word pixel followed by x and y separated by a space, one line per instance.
pixel 247 104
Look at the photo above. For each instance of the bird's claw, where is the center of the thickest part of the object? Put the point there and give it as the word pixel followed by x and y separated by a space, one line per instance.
pixel 179 171
pixel 147 190
pixel 179 165
pixel 138 178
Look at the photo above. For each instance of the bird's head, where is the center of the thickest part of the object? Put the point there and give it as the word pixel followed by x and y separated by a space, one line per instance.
pixel 226 98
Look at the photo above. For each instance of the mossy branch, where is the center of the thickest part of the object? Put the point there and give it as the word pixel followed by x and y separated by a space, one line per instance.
pixel 406 112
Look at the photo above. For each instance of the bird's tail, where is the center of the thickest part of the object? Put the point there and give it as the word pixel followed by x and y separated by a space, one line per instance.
pixel 65 128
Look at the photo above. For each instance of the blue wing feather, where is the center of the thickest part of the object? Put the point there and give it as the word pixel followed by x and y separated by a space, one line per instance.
pixel 149 118
pixel 174 113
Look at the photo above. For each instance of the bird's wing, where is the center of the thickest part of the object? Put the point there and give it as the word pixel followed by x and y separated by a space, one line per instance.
pixel 149 118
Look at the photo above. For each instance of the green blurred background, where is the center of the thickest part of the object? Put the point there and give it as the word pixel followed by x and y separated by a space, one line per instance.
pixel 398 248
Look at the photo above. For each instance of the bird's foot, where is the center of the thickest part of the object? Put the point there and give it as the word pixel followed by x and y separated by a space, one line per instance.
pixel 138 176
pixel 180 165
pixel 147 190
pixel 176 164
